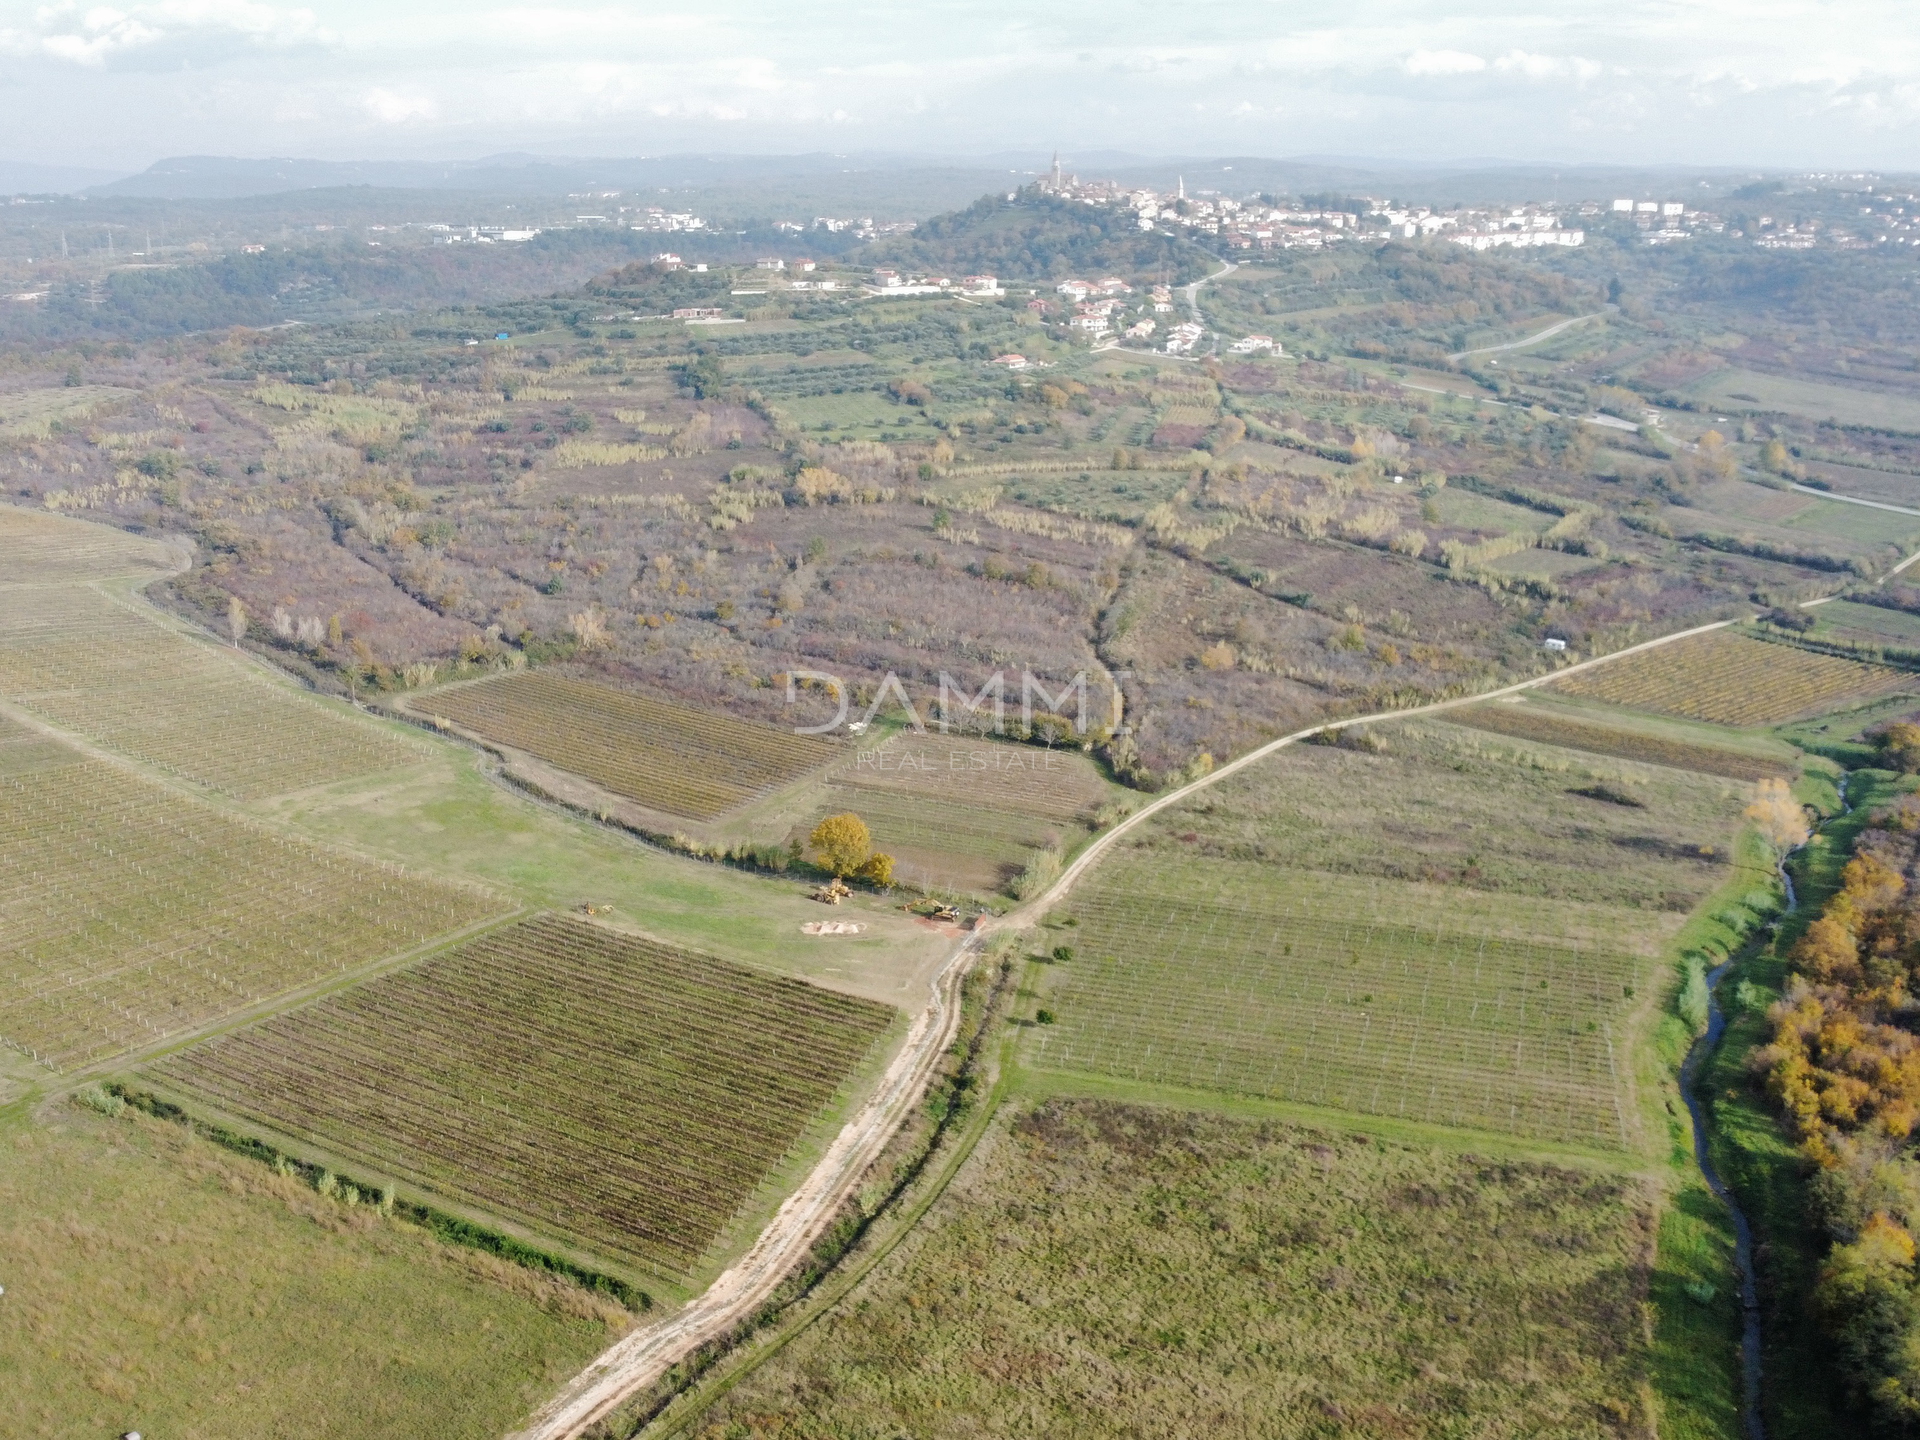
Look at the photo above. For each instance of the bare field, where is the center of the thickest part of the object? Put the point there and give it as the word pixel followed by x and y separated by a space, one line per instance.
pixel 1730 679
pixel 623 1095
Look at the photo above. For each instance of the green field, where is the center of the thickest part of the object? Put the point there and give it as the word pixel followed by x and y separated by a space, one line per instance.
pixel 1548 564
pixel 157 1283
pixel 130 913
pixel 103 670
pixel 1812 398
pixel 1856 522
pixel 1382 998
pixel 621 1095
pixel 1847 620
pixel 1107 1271
pixel 1425 930
pixel 964 813
pixel 1619 736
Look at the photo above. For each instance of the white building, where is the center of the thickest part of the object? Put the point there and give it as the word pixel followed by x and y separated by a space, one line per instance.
pixel 1252 344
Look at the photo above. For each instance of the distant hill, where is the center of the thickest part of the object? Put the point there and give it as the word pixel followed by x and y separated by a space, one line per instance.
pixel 1035 236
pixel 24 177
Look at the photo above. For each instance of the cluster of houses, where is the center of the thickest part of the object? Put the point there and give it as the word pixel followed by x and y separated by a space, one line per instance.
pixel 892 283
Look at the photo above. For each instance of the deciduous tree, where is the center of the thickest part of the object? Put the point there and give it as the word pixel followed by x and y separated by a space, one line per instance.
pixel 842 843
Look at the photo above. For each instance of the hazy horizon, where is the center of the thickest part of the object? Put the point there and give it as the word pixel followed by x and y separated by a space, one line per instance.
pixel 1650 82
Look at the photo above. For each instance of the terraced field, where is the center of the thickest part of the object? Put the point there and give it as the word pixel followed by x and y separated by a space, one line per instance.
pixel 1731 679
pixel 129 913
pixel 668 757
pixel 131 684
pixel 1384 998
pixel 623 1095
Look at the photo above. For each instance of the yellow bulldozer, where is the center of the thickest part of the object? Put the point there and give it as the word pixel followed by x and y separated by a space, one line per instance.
pixel 834 893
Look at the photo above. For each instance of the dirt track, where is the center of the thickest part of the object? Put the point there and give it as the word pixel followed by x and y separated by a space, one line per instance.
pixel 639 1359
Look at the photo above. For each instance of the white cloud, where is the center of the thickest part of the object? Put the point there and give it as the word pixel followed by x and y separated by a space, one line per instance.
pixel 393 108
pixel 1443 62
pixel 1547 67
pixel 97 35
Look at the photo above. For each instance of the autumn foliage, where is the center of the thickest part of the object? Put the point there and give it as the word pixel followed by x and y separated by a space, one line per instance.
pixel 843 844
pixel 1844 1067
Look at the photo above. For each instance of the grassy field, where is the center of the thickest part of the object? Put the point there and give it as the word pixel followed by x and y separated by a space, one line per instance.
pixel 1424 1003
pixel 1869 624
pixel 1856 522
pixel 449 818
pixel 621 1095
pixel 1424 930
pixel 157 1283
pixel 1811 398
pixel 666 756
pixel 1727 678
pixel 135 685
pixel 1102 1270
pixel 129 913
pixel 1448 806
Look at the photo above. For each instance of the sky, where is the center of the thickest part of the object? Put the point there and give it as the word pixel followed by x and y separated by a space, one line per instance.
pixel 1799 84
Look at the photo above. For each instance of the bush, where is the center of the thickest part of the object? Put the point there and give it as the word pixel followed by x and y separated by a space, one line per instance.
pixel 1695 1001
pixel 1041 870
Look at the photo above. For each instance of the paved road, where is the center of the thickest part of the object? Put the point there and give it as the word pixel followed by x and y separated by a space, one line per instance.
pixel 1534 339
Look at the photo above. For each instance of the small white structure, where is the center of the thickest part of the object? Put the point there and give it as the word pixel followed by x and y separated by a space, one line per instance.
pixel 1012 362
pixel 1554 643
pixel 1251 344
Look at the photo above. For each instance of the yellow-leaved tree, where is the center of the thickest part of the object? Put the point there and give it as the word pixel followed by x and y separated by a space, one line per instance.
pixel 1778 816
pixel 841 843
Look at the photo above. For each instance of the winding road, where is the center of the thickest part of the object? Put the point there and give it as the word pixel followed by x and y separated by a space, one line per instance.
pixel 1535 338
pixel 640 1358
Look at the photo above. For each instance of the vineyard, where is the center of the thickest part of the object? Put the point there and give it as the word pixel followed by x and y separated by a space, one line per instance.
pixel 135 686
pixel 129 914
pixel 668 757
pixel 618 1093
pixel 1525 722
pixel 1057 785
pixel 38 548
pixel 965 813
pixel 1447 805
pixel 1383 998
pixel 1731 679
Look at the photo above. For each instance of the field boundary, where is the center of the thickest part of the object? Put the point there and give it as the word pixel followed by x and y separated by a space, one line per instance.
pixel 643 1356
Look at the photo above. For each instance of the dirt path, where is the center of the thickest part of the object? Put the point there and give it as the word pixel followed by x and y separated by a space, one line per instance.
pixel 639 1359
pixel 646 1354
